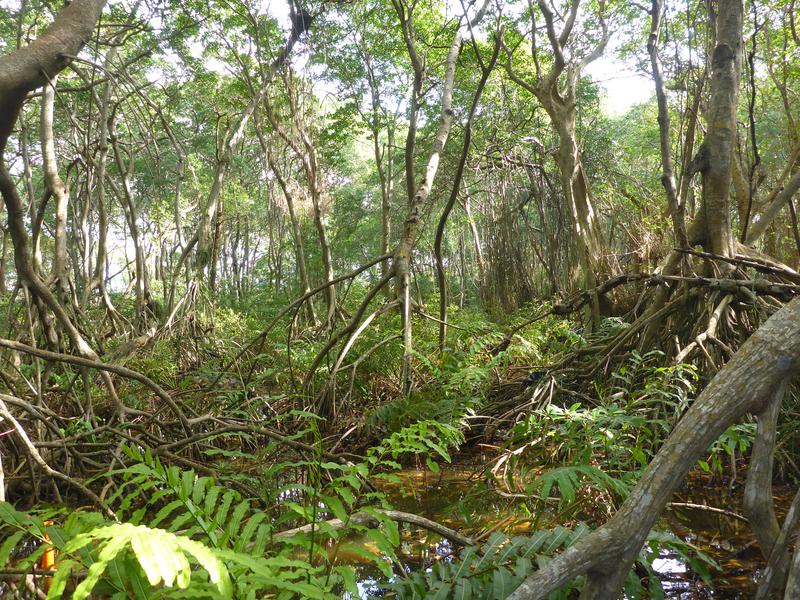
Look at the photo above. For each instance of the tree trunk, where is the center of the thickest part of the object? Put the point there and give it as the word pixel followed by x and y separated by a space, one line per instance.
pixel 402 255
pixel 746 384
pixel 556 91
pixel 674 202
pixel 230 140
pixel 476 241
pixel 720 142
pixel 128 203
pixel 440 228
pixel 297 236
pixel 20 72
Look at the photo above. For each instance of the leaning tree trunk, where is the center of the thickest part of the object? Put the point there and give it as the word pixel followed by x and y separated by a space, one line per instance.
pixel 674 202
pixel 456 188
pixel 97 278
pixel 747 384
pixel 306 153
pixel 23 71
pixel 297 234
pixel 204 235
pixel 401 263
pixel 384 159
pixel 128 202
pixel 57 189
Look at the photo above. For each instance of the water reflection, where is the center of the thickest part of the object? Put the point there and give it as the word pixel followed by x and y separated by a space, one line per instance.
pixel 458 498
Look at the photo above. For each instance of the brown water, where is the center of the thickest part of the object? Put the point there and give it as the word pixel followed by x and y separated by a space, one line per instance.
pixel 727 539
pixel 458 497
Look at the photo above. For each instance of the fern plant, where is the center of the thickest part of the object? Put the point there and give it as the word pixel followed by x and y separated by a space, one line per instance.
pixel 494 570
pixel 173 519
pixel 489 572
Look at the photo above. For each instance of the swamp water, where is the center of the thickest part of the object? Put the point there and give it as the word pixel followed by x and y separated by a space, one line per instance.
pixel 458 497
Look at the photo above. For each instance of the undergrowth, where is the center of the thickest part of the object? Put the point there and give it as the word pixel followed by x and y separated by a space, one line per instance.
pixel 267 523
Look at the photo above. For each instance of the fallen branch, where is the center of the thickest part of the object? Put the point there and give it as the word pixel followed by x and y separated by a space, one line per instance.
pixel 705 507
pixel 746 257
pixel 365 518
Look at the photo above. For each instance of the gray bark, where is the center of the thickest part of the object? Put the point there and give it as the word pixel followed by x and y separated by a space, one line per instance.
pixel 720 141
pixel 770 357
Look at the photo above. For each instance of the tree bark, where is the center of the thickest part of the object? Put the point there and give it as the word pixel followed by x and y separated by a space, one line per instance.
pixel 440 228
pixel 306 153
pixel 34 65
pixel 297 236
pixel 204 235
pixel 769 358
pixel 20 72
pixel 720 141
pixel 675 204
pixel 384 159
pixel 56 188
pixel 401 263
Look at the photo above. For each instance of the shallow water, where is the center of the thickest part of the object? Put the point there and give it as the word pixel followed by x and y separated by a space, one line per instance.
pixel 725 538
pixel 458 497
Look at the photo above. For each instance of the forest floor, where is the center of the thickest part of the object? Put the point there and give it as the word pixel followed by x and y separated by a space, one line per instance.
pixel 513 456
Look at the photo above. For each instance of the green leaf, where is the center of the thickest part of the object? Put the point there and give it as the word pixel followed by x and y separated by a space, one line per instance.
pixel 59 581
pixel 217 572
pixel 165 512
pixel 502 584
pixel 371 557
pixel 160 558
pixel 108 552
pixel 348 575
pixel 20 520
pixel 8 546
pixel 381 541
pixel 336 507
pixel 463 590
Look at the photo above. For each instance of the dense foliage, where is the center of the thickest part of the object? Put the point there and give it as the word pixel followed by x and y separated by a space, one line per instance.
pixel 262 261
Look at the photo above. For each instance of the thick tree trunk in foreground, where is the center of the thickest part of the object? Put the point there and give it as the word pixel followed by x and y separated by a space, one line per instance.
pixel 714 160
pixel 32 66
pixel 21 72
pixel 768 359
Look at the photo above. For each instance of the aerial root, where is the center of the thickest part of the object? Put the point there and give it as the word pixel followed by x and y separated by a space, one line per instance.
pixel 37 459
pixel 766 363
